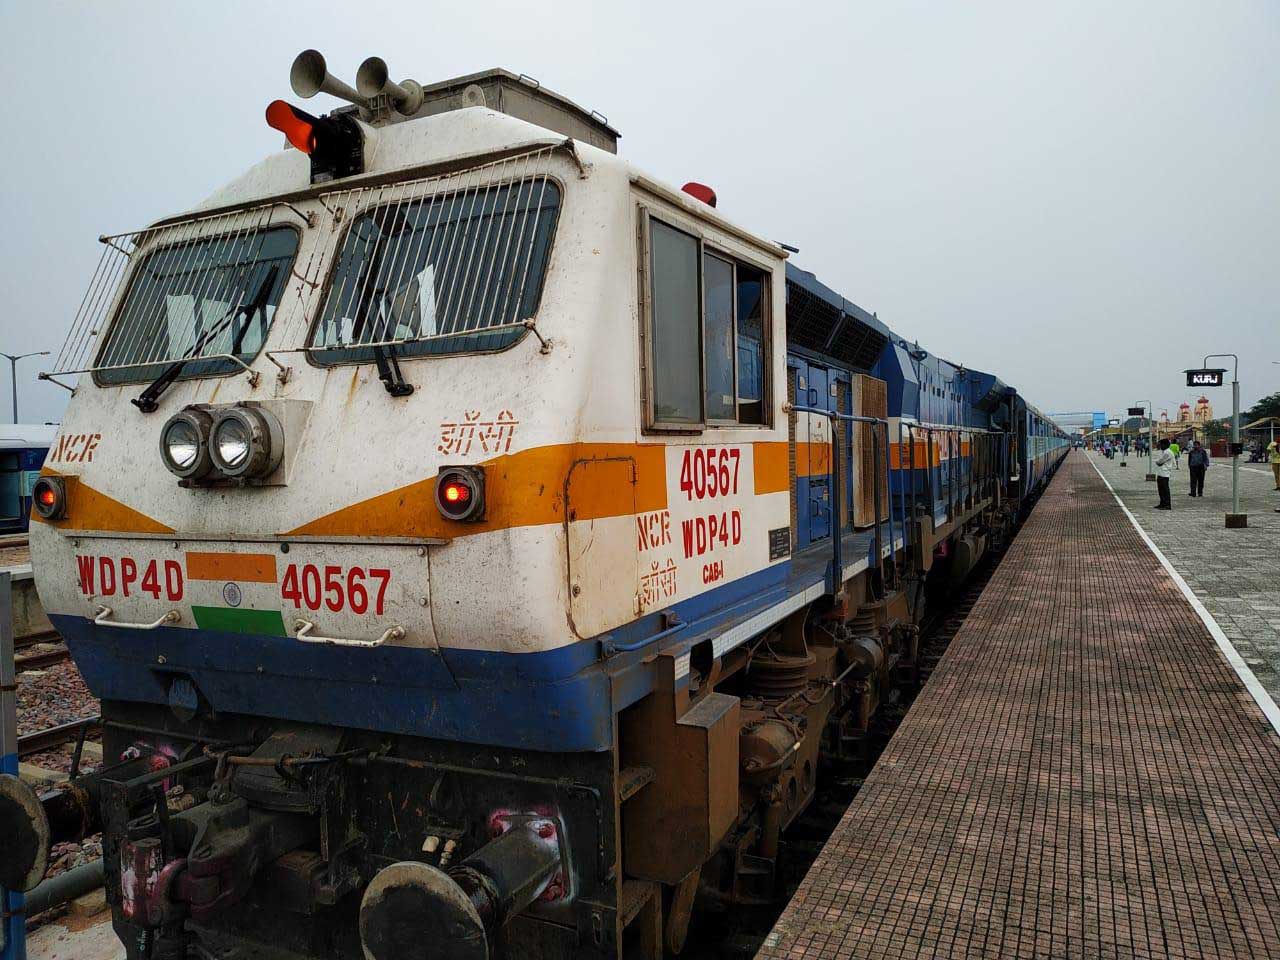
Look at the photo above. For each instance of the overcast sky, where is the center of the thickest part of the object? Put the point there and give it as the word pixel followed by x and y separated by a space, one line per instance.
pixel 1082 197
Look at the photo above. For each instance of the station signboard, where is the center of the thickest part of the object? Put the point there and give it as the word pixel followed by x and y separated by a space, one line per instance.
pixel 1205 378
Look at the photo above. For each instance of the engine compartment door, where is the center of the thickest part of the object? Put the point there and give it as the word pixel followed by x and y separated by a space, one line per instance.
pixel 604 556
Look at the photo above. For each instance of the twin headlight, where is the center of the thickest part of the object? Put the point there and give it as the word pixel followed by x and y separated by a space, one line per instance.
pixel 222 443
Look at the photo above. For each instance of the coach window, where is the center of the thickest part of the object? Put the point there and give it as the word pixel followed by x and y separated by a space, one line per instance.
pixel 706 332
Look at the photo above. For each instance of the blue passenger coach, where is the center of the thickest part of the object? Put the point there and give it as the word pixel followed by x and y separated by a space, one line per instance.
pixel 23 448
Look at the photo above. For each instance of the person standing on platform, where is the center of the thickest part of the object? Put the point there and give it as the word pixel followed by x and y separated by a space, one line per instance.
pixel 1162 462
pixel 1177 454
pixel 1197 464
pixel 1273 454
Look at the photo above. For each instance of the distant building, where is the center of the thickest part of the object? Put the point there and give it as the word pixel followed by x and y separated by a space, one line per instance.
pixel 1079 421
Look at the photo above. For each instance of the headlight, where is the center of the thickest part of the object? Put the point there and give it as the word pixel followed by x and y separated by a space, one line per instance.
pixel 246 442
pixel 233 443
pixel 184 444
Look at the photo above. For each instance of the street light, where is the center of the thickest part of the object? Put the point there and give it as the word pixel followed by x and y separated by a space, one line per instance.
pixel 1235 519
pixel 13 373
pixel 1151 474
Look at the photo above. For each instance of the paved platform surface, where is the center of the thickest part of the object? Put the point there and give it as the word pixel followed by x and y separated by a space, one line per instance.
pixel 1235 573
pixel 71 938
pixel 1084 776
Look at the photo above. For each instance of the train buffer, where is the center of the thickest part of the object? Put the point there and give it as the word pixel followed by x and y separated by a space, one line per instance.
pixel 1086 775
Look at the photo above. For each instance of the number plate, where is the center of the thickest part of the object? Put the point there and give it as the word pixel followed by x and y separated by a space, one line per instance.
pixel 350 591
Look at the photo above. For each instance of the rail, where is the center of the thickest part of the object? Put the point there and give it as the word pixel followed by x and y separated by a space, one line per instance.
pixel 43 740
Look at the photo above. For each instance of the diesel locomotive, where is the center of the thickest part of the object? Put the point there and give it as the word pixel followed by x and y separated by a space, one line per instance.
pixel 477 544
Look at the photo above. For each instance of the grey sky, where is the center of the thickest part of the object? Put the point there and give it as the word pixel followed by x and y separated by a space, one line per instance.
pixel 1083 197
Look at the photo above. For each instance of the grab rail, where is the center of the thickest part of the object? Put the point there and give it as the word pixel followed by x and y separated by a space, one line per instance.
pixel 835 473
pixel 103 615
pixel 983 464
pixel 303 628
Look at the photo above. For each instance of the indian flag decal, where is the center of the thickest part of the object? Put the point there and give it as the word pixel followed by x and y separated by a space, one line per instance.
pixel 227 578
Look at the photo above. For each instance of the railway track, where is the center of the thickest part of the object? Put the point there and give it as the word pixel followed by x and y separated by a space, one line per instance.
pixel 39 659
pixel 53 737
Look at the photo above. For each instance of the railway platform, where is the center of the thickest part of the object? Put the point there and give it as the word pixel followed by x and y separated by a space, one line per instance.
pixel 1234 573
pixel 1092 771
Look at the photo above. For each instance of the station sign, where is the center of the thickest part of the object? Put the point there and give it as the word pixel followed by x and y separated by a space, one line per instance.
pixel 1113 423
pixel 1136 411
pixel 1205 378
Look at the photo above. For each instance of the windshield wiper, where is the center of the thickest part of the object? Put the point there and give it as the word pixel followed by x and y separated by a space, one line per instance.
pixel 148 400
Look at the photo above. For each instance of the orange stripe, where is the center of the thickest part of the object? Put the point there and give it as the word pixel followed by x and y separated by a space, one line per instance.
pixel 900 454
pixel 244 567
pixel 87 509
pixel 522 489
pixel 770 466
pixel 528 488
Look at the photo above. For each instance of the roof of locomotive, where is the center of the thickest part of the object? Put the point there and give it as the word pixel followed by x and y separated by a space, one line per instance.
pixel 426 144
pixel 430 145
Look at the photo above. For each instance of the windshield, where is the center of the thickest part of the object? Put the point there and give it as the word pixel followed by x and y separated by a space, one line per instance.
pixel 198 299
pixel 441 274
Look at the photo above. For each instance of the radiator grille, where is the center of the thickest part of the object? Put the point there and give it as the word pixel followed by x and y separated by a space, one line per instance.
pixel 818 325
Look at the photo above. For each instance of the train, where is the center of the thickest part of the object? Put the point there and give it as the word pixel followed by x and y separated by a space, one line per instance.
pixel 23 448
pixel 479 546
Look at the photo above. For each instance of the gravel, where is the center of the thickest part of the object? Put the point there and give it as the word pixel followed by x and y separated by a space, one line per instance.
pixel 52 696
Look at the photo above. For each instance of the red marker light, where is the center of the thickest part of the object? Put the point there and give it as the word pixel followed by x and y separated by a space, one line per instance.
pixel 297 126
pixel 460 493
pixel 49 498
pixel 700 191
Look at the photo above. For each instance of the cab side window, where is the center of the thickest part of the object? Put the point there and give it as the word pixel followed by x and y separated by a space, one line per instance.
pixel 673 330
pixel 706 335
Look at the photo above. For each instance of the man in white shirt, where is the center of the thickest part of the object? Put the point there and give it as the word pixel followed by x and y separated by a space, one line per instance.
pixel 1163 462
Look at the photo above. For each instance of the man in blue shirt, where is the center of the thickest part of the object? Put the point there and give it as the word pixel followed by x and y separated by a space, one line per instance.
pixel 1197 464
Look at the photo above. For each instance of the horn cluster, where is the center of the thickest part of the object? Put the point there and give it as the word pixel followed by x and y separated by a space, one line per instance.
pixel 310 75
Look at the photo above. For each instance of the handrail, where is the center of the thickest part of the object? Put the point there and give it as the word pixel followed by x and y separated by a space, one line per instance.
pixel 834 473
pixel 673 625
pixel 303 628
pixel 102 617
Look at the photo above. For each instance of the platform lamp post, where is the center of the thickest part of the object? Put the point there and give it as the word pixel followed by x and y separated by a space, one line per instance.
pixel 13 373
pixel 1208 376
pixel 1138 412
